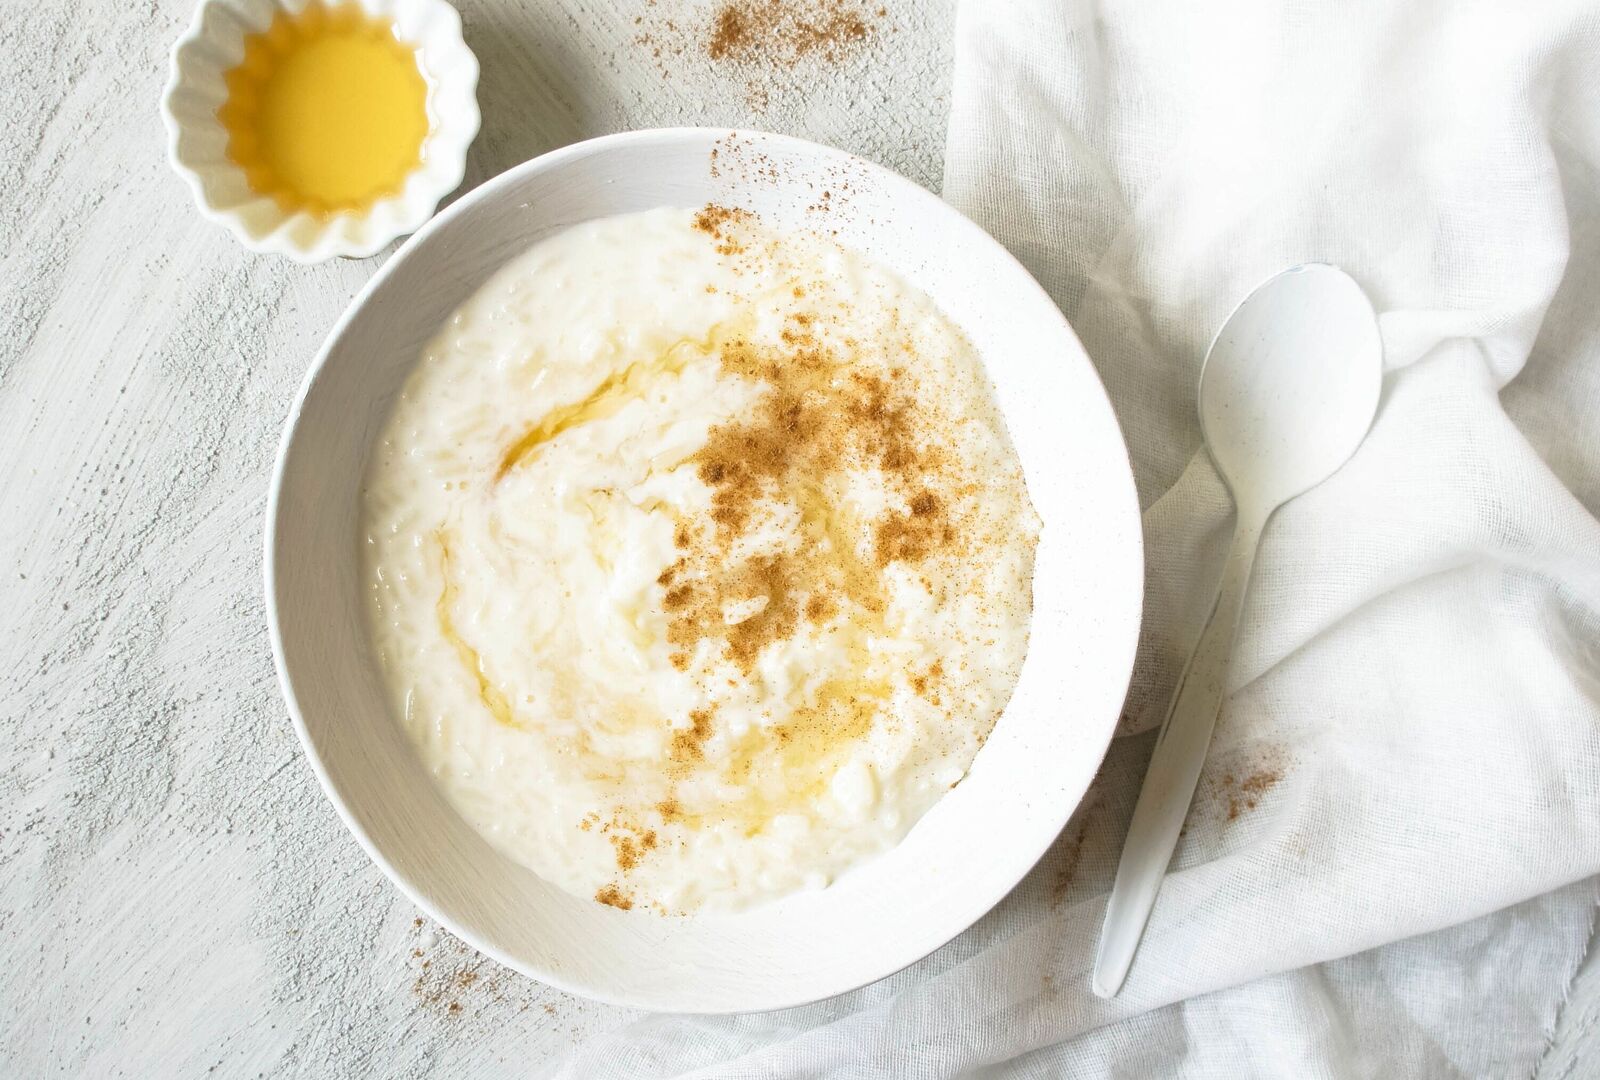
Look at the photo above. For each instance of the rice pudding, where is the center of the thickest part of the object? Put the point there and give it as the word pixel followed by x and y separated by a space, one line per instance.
pixel 699 560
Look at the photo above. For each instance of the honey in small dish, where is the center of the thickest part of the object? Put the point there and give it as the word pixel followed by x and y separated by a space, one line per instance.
pixel 328 110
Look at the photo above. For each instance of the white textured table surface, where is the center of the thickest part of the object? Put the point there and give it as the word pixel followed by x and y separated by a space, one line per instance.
pixel 175 893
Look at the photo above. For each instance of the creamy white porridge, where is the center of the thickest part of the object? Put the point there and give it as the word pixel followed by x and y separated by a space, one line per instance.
pixel 699 559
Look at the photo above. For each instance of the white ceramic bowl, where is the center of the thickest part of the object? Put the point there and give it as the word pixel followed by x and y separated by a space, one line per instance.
pixel 197 143
pixel 973 846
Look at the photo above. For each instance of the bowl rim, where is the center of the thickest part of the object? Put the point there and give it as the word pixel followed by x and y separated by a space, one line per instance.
pixel 462 130
pixel 553 159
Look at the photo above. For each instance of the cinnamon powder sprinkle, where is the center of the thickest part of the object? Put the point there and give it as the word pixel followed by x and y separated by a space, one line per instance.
pixel 614 897
pixel 910 536
pixel 926 682
pixel 1246 794
pixel 688 744
pixel 718 223
pixel 820 418
pixel 629 849
pixel 839 467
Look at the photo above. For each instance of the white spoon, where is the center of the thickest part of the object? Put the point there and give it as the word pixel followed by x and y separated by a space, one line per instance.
pixel 1287 393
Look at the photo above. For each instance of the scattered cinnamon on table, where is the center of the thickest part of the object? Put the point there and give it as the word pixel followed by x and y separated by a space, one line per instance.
pixel 784 31
pixel 763 34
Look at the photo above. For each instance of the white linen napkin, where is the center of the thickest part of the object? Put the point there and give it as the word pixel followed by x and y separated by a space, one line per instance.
pixel 1412 740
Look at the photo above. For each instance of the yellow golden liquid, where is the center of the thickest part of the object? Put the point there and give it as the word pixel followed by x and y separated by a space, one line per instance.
pixel 327 112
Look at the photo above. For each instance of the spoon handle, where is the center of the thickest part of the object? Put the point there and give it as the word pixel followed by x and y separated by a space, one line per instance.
pixel 1175 765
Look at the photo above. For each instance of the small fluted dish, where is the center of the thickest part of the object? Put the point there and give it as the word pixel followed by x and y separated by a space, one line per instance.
pixel 197 142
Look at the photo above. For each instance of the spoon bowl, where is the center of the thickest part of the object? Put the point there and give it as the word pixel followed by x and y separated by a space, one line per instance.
pixel 1288 389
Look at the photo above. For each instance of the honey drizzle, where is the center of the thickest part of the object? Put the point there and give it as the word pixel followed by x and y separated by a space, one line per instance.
pixel 615 392
pixel 492 698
